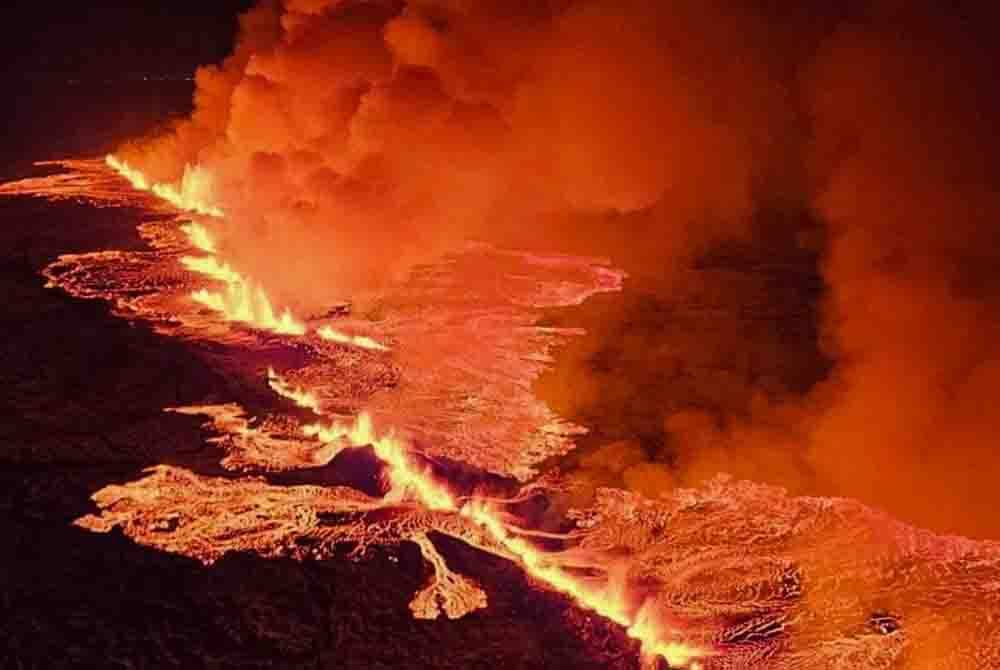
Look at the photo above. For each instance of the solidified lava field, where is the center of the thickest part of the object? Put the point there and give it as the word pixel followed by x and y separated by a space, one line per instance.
pixel 169 506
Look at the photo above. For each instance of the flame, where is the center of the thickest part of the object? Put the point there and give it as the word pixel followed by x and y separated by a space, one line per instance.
pixel 608 603
pixel 328 333
pixel 243 300
pixel 646 629
pixel 447 591
pixel 192 194
pixel 299 396
pixel 435 495
pixel 245 303
pixel 211 267
pixel 404 475
pixel 199 237
pixel 134 177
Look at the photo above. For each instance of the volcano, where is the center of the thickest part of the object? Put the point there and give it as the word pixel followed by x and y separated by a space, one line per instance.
pixel 562 334
pixel 454 460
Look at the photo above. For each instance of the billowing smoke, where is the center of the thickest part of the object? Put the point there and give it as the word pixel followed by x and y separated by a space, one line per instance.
pixel 805 198
pixel 907 156
pixel 352 140
pixel 884 390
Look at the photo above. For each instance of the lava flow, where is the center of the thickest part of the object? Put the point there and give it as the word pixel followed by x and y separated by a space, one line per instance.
pixel 243 301
pixel 363 341
pixel 406 477
pixel 193 194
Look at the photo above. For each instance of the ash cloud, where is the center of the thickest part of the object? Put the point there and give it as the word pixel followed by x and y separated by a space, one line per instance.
pixel 805 198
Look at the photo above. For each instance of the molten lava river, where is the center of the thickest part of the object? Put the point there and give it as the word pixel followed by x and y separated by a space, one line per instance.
pixel 423 422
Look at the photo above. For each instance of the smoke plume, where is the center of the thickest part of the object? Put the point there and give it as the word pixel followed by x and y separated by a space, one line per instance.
pixel 908 163
pixel 806 200
pixel 353 140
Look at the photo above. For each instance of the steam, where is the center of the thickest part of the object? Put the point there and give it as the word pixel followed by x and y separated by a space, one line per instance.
pixel 352 140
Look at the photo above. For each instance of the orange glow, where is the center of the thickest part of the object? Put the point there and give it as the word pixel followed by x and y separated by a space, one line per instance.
pixel 242 300
pixel 134 177
pixel 299 396
pixel 192 194
pixel 607 603
pixel 647 630
pixel 328 333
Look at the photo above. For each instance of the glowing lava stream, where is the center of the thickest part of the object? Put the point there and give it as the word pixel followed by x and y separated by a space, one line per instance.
pixel 245 302
pixel 405 476
pixel 192 195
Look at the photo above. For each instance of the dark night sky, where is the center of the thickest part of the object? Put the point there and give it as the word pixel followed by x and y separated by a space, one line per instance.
pixel 73 74
pixel 100 39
